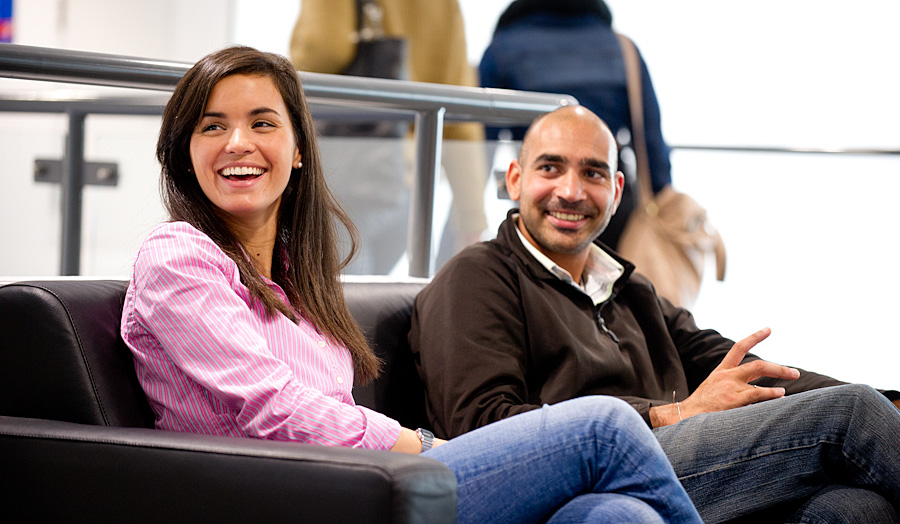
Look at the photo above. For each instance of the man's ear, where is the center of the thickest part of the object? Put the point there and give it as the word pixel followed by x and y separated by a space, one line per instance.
pixel 513 180
pixel 620 189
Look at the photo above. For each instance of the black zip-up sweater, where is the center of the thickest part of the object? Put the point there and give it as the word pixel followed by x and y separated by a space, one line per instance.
pixel 497 334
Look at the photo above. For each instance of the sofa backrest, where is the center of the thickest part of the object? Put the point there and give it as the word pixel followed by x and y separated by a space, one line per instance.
pixel 61 356
pixel 384 310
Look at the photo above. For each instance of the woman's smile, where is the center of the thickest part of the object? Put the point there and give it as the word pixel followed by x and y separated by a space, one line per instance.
pixel 242 176
pixel 242 173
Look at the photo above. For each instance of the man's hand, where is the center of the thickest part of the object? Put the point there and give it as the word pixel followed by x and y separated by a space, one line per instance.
pixel 728 386
pixel 897 403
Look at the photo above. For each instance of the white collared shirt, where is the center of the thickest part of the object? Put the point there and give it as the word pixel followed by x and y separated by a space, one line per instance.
pixel 600 272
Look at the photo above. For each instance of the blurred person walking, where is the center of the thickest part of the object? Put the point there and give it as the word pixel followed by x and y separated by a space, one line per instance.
pixel 372 178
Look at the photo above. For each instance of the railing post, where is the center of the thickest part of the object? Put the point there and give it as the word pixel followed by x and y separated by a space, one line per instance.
pixel 72 188
pixel 429 135
pixel 430 102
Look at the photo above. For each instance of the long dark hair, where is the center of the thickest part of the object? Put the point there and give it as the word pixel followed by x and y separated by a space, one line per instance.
pixel 305 261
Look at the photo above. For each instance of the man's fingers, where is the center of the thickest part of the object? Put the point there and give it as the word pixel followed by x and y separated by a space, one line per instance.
pixel 763 368
pixel 758 394
pixel 737 352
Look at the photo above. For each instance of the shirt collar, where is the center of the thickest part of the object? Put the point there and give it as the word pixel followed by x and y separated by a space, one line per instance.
pixel 600 272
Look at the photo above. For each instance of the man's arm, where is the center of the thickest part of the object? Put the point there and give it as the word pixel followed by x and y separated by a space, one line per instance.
pixel 469 338
pixel 728 386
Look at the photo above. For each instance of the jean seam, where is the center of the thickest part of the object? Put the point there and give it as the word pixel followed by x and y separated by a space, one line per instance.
pixel 739 461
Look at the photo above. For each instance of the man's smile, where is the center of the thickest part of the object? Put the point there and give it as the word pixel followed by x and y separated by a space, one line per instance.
pixel 569 217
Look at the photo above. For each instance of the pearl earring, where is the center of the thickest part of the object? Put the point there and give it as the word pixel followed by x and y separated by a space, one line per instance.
pixel 299 165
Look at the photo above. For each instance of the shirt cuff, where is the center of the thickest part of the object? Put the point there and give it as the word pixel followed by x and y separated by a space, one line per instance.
pixel 382 431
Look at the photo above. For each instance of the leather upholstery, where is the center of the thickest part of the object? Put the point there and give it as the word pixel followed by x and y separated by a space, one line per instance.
pixel 383 309
pixel 75 442
pixel 61 357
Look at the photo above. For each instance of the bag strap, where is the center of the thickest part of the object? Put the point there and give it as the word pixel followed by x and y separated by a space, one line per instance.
pixel 638 139
pixel 636 108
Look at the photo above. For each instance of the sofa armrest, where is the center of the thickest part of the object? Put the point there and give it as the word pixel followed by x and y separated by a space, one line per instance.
pixel 66 472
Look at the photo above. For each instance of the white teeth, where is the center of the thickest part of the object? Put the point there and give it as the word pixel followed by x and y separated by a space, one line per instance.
pixel 242 171
pixel 567 216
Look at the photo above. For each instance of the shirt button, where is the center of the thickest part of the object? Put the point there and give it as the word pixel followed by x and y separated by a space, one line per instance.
pixel 339 380
pixel 321 343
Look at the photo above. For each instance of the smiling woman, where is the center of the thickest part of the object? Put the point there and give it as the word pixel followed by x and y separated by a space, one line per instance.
pixel 301 235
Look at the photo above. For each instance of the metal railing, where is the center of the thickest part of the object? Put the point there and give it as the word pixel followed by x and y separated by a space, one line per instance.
pixel 430 105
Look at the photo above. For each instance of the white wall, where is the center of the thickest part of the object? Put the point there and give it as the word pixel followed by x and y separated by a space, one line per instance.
pixel 809 236
pixel 170 29
pixel 798 73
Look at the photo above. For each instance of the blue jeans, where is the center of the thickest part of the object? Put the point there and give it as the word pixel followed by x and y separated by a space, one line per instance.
pixel 790 454
pixel 591 459
pixel 844 505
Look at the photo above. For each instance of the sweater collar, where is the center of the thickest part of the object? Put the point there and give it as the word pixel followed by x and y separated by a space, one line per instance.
pixel 606 271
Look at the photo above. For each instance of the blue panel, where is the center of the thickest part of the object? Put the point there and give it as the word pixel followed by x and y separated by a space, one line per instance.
pixel 6 25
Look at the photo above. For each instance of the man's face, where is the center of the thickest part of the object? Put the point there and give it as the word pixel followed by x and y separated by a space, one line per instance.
pixel 566 182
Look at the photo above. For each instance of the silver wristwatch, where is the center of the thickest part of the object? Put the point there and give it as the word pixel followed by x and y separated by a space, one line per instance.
pixel 426 438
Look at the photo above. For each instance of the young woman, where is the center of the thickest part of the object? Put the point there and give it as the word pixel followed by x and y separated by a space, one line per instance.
pixel 236 318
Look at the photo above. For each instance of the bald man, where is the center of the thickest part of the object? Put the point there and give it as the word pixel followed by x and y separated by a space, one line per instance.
pixel 544 313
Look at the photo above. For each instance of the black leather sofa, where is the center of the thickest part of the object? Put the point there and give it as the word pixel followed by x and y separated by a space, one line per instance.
pixel 77 444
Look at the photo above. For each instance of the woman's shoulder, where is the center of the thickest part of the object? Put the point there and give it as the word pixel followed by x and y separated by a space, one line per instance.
pixel 176 234
pixel 171 242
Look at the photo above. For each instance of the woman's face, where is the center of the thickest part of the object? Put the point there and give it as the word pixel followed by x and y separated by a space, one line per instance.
pixel 243 149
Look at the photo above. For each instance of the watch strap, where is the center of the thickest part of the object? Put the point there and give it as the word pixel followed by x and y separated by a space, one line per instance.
pixel 426 438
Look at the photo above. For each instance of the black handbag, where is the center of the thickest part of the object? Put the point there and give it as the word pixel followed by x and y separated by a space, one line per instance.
pixel 377 56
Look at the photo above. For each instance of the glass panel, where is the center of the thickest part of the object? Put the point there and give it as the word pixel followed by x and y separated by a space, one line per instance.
pixel 115 220
pixel 30 211
pixel 371 178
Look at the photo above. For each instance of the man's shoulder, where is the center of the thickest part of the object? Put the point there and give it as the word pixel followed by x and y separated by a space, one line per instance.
pixel 481 265
pixel 488 256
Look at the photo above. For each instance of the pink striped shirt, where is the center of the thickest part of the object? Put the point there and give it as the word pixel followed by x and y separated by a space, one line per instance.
pixel 211 362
